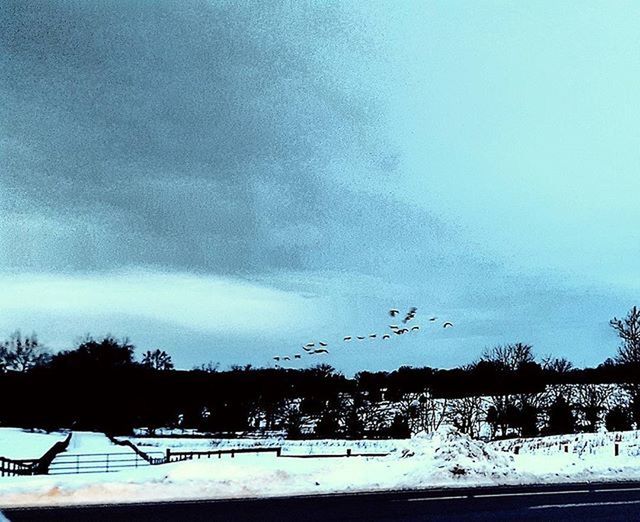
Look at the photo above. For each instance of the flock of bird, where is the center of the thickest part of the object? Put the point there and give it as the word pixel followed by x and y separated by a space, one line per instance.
pixel 320 347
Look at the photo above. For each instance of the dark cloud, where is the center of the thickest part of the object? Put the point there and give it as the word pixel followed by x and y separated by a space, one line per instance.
pixel 201 136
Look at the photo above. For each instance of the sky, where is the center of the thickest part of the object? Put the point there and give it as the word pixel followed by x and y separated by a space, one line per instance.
pixel 228 181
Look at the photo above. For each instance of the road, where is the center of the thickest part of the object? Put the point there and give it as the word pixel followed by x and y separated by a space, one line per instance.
pixel 620 501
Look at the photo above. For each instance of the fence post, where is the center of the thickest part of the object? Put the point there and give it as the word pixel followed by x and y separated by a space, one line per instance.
pixel 233 453
pixel 616 449
pixel 107 463
pixel 349 452
pixel 516 450
pixel 278 452
pixel 168 456
pixel 566 448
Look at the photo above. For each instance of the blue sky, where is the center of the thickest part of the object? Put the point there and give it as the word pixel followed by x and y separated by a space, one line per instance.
pixel 230 180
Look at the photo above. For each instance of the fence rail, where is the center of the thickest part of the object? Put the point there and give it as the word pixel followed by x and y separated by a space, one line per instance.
pixel 178 456
pixel 74 463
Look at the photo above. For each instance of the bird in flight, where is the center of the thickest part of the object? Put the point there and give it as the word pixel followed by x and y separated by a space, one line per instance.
pixel 276 358
pixel 310 344
pixel 321 350
pixel 393 312
pixel 297 356
pixel 447 325
pixel 386 336
pixel 415 328
pixel 432 319
pixel 286 358
pixel 410 314
pixel 322 344
pixel 359 337
pixel 372 336
pixel 347 338
pixel 393 326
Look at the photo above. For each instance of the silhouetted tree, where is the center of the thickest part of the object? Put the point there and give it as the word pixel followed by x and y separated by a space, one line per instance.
pixel 157 360
pixel 21 354
pixel 561 418
pixel 618 418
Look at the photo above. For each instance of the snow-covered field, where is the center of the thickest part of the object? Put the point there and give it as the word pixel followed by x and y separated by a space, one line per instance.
pixel 442 459
pixel 24 444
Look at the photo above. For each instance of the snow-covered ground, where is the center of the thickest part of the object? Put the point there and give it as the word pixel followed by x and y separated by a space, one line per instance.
pixel 91 442
pixel 24 444
pixel 442 459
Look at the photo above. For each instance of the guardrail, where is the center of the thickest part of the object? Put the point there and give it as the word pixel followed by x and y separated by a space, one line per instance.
pixel 74 463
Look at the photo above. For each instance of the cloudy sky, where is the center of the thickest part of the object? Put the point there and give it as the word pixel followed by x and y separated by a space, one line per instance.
pixel 230 180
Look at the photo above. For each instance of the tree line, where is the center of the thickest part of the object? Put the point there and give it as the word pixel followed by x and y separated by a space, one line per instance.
pixel 100 385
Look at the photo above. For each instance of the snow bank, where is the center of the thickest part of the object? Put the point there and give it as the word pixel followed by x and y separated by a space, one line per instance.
pixel 442 459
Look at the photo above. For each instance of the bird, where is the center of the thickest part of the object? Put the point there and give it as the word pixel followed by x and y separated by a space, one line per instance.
pixel 393 326
pixel 415 328
pixel 372 336
pixel 321 350
pixel 310 344
pixel 398 332
pixel 347 338
pixel 393 312
pixel 447 325
pixel 432 319
pixel 276 358
pixel 360 338
pixel 386 336
pixel 297 356
pixel 322 344
pixel 307 349
pixel 286 358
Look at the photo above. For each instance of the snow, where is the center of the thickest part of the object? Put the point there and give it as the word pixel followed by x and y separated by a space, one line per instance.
pixel 445 458
pixel 24 444
pixel 91 442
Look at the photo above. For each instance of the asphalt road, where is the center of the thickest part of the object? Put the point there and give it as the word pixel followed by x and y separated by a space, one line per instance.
pixel 620 501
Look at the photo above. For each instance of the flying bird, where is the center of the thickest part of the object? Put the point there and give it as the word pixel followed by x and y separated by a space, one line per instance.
pixel 276 358
pixel 286 358
pixel 386 336
pixel 360 338
pixel 321 350
pixel 372 336
pixel 347 338
pixel 415 328
pixel 432 319
pixel 310 344
pixel 393 312
pixel 447 325
pixel 307 349
pixel 322 344
pixel 297 356
pixel 393 326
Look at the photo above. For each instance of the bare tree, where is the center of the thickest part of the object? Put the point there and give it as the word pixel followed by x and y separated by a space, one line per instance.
pixel 556 364
pixel 158 360
pixel 467 414
pixel 510 356
pixel 592 401
pixel 21 354
pixel 628 329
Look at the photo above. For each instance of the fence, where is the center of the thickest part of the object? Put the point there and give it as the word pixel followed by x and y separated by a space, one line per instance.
pixel 72 463
pixel 349 453
pixel 178 456
pixel 11 467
